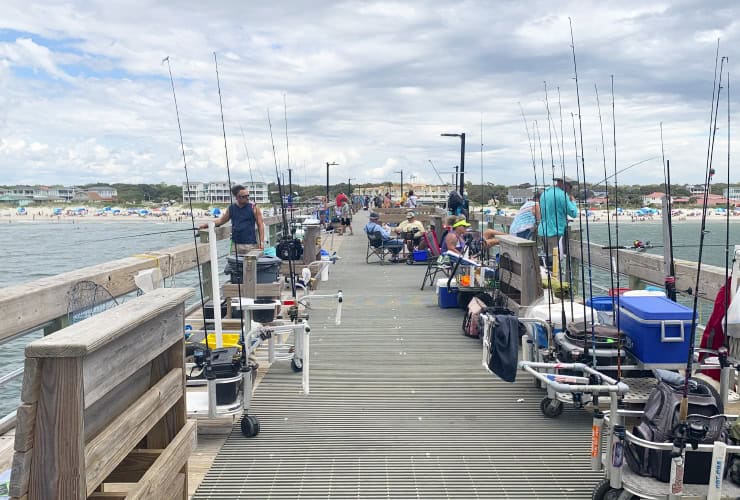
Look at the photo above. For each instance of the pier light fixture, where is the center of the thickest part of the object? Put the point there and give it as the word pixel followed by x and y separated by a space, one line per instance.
pixel 327 181
pixel 461 181
pixel 349 185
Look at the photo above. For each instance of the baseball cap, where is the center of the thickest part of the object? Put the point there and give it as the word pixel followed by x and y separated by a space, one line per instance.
pixel 410 214
pixel 374 215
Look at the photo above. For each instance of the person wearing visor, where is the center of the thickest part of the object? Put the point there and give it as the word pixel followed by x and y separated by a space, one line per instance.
pixel 247 229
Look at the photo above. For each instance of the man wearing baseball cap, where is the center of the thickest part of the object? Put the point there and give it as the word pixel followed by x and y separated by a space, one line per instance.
pixel 412 229
pixel 557 203
pixel 390 243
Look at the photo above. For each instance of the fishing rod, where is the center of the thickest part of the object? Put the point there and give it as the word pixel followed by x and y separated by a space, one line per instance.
pixel 727 223
pixel 670 279
pixel 287 151
pixel 286 229
pixel 545 241
pixel 682 432
pixel 437 172
pixel 616 235
pixel 580 240
pixel 207 356
pixel 282 205
pixel 602 181
pixel 583 167
pixel 567 240
pixel 242 341
pixel 608 219
pixel 531 146
pixel 563 318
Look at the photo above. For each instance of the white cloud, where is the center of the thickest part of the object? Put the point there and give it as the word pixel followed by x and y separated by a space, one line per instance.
pixel 369 86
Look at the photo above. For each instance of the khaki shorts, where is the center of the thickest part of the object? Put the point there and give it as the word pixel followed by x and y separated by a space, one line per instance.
pixel 245 248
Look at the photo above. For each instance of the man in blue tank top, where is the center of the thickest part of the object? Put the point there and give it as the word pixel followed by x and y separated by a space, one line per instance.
pixel 247 230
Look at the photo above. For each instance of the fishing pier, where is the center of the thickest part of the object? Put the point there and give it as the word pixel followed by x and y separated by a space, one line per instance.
pixel 399 406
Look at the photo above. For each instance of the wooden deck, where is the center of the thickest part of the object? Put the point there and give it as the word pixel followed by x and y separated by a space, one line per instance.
pixel 400 407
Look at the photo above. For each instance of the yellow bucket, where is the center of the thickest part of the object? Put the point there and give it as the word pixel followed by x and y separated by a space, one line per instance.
pixel 229 340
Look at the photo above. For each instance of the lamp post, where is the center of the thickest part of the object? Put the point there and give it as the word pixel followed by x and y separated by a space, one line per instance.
pixel 349 185
pixel 400 172
pixel 462 159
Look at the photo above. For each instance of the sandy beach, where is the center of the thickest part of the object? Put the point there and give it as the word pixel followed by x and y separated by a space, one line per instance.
pixel 176 213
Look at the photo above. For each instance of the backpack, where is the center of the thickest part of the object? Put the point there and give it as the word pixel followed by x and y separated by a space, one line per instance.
pixel 472 324
pixel 658 422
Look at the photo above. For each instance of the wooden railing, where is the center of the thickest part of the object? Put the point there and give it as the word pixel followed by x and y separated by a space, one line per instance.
pixel 103 401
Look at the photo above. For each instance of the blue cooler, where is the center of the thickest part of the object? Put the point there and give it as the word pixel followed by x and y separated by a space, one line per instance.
pixel 657 328
pixel 420 255
pixel 604 308
pixel 446 298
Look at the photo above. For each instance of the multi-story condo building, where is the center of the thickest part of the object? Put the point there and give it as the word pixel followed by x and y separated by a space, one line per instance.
pixel 220 192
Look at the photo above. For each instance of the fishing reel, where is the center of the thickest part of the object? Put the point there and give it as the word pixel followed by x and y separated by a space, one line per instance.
pixel 688 433
pixel 199 357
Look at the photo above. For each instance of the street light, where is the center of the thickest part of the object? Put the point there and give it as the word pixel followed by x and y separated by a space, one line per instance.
pixel 462 159
pixel 400 172
pixel 349 185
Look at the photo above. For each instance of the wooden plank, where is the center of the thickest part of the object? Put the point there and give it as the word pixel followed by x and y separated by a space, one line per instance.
pixel 311 243
pixel 57 466
pixel 20 473
pixel 87 336
pixel 99 414
pixel 32 304
pixel 133 467
pixel 25 424
pixel 111 445
pixel 123 356
pixel 31 380
pixel 7 453
pixel 649 267
pixel 260 289
pixel 156 481
pixel 249 277
pixel 168 426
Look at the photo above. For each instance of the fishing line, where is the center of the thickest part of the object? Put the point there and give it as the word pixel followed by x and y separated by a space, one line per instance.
pixel 208 368
pixel 249 162
pixel 135 236
pixel 242 340
pixel 585 193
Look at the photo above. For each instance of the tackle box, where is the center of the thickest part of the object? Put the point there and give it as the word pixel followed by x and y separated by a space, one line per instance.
pixel 657 328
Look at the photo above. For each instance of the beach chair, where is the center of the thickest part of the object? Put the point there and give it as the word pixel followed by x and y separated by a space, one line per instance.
pixel 376 248
pixel 436 263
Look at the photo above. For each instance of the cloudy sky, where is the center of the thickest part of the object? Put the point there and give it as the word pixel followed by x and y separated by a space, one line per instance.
pixel 84 96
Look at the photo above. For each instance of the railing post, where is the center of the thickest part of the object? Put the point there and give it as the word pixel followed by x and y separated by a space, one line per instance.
pixel 205 270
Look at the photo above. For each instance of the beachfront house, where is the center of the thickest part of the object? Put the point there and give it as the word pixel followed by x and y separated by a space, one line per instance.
pixel 517 196
pixel 654 198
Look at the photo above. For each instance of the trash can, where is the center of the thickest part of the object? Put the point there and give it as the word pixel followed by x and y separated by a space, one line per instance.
pixel 268 269
pixel 234 268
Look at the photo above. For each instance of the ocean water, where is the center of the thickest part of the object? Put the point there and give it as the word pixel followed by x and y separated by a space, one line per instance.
pixel 35 250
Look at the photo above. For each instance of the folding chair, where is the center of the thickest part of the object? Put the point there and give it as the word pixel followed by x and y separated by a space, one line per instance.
pixel 376 248
pixel 435 262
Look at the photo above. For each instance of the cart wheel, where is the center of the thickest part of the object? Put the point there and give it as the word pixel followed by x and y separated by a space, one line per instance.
pixel 603 491
pixel 551 408
pixel 250 426
pixel 296 364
